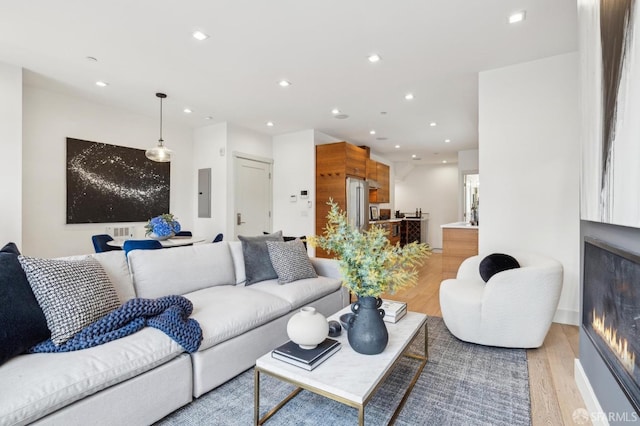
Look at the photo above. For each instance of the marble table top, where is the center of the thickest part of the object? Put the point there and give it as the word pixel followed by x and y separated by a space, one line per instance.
pixel 348 374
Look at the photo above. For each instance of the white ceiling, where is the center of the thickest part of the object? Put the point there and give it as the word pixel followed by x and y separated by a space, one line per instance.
pixel 431 48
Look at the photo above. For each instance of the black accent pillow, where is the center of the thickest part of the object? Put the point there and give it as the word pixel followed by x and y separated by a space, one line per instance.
pixel 257 264
pixel 10 248
pixel 496 262
pixel 22 322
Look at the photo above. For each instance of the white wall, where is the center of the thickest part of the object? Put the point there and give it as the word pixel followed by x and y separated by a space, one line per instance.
pixel 11 158
pixel 294 171
pixel 210 151
pixel 434 189
pixel 49 118
pixel 529 158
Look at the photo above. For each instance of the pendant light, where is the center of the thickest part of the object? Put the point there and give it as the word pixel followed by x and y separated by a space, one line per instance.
pixel 159 153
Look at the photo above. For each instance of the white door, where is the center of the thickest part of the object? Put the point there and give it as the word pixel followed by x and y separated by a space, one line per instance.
pixel 252 215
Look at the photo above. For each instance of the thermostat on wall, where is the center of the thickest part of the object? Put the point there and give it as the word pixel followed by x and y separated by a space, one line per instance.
pixel 304 194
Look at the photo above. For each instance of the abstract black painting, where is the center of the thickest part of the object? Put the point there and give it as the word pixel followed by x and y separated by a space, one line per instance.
pixel 109 183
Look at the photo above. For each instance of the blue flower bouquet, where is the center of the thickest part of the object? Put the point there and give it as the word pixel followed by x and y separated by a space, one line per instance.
pixel 162 227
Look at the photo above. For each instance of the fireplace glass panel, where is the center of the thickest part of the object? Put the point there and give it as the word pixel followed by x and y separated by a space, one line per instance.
pixel 611 311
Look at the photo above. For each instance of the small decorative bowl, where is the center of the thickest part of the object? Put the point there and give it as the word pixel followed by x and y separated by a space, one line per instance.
pixel 344 320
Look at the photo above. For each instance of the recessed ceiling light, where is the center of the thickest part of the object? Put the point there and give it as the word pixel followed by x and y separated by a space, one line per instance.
pixel 102 83
pixel 517 17
pixel 270 123
pixel 444 161
pixel 383 112
pixel 397 146
pixel 92 59
pixel 447 140
pixel 335 111
pixel 409 96
pixel 372 132
pixel 284 83
pixel 382 138
pixel 433 124
pixel 187 111
pixel 208 117
pixel 374 58
pixel 413 156
pixel 199 35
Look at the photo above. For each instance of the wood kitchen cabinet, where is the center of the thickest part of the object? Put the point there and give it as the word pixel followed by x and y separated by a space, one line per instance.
pixel 334 163
pixel 381 194
pixel 458 243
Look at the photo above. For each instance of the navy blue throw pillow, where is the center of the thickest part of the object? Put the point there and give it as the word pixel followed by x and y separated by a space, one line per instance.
pixel 496 262
pixel 10 248
pixel 22 322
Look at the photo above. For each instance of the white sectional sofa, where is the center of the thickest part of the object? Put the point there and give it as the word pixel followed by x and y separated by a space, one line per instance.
pixel 141 378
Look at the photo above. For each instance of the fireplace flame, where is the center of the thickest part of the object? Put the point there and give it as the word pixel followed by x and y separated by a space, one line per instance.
pixel 618 345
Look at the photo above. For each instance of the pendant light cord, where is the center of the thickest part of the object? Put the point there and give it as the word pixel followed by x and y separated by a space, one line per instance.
pixel 160 140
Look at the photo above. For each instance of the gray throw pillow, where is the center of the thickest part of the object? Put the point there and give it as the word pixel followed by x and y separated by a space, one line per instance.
pixel 72 294
pixel 257 263
pixel 290 260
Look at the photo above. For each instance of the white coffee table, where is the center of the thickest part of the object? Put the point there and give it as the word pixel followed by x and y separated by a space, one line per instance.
pixel 347 376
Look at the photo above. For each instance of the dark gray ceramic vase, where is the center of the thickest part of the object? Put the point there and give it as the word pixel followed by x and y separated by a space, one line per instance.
pixel 367 331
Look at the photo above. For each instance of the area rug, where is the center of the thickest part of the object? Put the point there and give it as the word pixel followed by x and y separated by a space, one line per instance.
pixel 462 384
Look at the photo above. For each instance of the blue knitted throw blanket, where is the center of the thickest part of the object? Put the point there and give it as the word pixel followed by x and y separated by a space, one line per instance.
pixel 169 314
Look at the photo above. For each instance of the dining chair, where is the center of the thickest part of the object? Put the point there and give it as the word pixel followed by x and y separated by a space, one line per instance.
pixel 218 238
pixel 140 245
pixel 100 243
pixel 184 234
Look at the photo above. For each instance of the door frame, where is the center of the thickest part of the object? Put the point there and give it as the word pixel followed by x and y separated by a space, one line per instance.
pixel 236 155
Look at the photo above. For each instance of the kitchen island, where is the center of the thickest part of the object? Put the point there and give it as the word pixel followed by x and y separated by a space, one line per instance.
pixel 459 241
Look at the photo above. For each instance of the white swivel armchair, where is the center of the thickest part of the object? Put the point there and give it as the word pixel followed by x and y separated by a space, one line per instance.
pixel 513 309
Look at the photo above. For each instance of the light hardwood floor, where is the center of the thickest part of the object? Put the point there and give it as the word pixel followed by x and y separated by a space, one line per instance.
pixel 554 395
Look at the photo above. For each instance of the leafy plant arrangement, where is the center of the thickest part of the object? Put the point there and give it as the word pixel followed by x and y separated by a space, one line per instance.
pixel 369 263
pixel 163 225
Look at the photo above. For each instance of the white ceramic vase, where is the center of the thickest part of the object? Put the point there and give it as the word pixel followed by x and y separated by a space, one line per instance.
pixel 308 328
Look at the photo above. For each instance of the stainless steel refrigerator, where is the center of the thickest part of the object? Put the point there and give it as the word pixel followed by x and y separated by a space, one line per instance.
pixel 358 203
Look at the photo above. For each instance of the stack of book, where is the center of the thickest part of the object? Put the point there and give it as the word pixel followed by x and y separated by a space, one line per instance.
pixel 306 358
pixel 393 311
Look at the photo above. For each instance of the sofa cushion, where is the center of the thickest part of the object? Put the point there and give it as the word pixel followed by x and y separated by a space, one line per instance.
pixel 22 322
pixel 72 294
pixel 238 261
pixel 290 260
pixel 299 293
pixel 180 270
pixel 225 312
pixel 38 384
pixel 496 262
pixel 257 264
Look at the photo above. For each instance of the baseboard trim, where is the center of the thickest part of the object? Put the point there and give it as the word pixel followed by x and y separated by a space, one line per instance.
pixel 593 408
pixel 564 316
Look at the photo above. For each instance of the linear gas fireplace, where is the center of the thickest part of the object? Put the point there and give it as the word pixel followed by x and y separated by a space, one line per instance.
pixel 611 312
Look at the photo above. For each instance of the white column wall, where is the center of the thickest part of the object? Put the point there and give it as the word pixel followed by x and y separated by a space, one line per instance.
pixel 11 158
pixel 294 171
pixel 210 151
pixel 529 158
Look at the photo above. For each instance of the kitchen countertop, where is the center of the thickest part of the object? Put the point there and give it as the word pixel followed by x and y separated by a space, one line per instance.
pixel 397 219
pixel 459 225
pixel 372 222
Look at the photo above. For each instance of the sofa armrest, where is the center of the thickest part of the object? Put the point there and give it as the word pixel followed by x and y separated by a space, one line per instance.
pixel 470 269
pixel 326 267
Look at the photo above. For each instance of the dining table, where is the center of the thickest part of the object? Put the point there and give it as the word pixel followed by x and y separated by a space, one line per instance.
pixel 171 242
